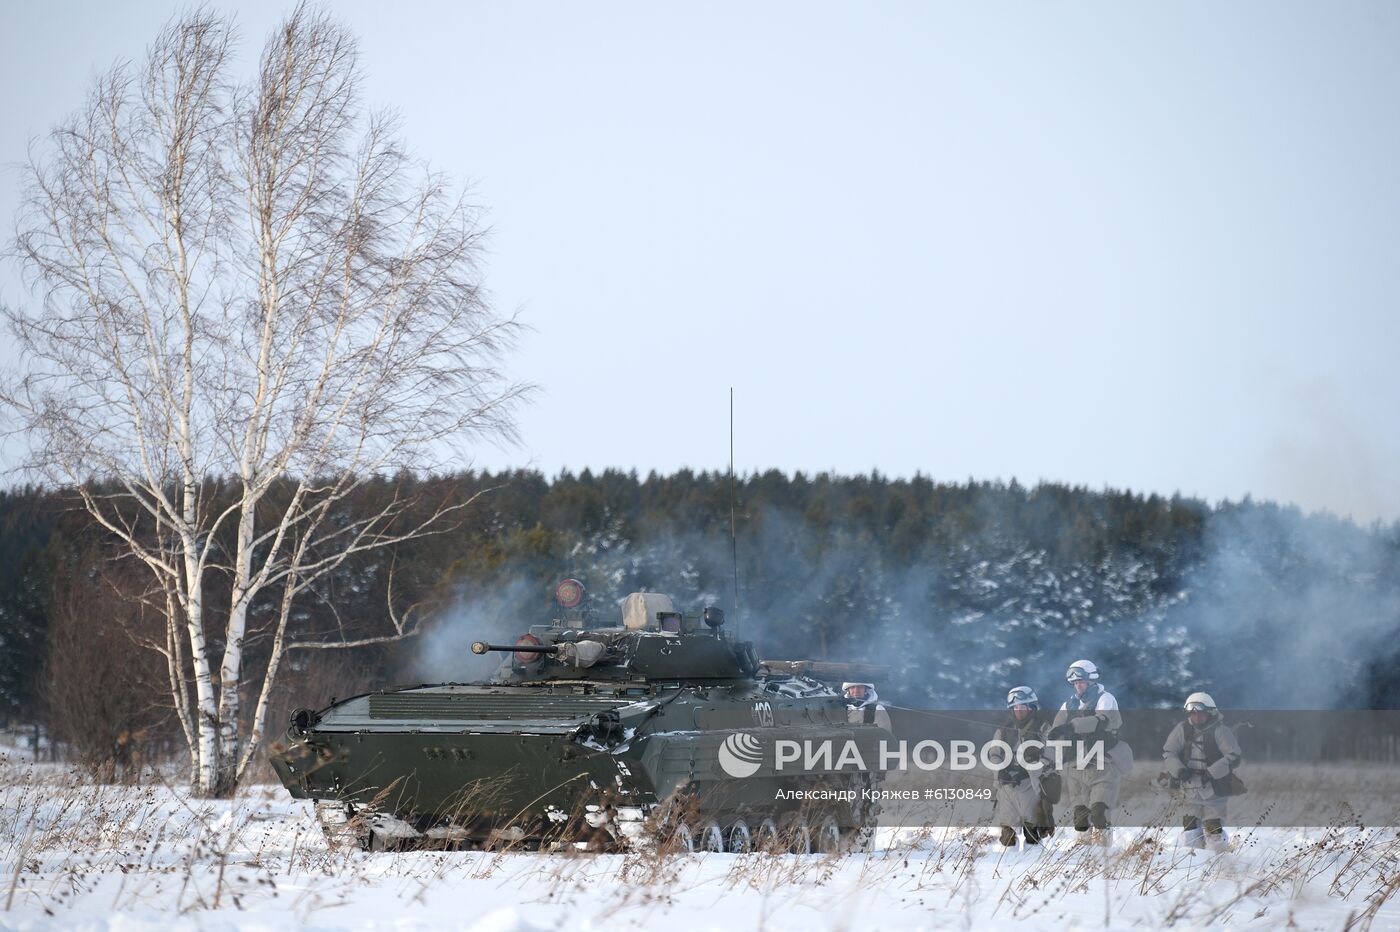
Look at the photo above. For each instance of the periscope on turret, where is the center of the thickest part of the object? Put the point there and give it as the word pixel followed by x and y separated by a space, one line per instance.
pixel 654 729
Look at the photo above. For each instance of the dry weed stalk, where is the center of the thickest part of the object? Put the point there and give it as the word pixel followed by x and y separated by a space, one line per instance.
pixel 64 841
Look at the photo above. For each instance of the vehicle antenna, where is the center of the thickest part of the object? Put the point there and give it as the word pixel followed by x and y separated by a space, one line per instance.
pixel 733 537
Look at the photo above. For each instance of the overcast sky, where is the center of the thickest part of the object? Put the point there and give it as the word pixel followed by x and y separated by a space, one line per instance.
pixel 1154 247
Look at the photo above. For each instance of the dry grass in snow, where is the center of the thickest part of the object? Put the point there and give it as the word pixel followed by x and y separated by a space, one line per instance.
pixel 74 854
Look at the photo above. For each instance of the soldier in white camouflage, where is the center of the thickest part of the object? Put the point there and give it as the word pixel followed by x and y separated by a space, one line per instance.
pixel 1020 802
pixel 863 706
pixel 1090 718
pixel 1200 758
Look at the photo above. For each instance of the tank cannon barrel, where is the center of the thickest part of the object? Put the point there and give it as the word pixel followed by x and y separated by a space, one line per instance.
pixel 481 647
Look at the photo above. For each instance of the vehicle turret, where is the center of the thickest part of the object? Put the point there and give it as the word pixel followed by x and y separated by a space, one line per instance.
pixel 653 642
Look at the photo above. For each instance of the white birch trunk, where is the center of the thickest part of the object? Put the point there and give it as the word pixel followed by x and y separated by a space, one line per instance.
pixel 231 670
pixel 279 641
pixel 206 708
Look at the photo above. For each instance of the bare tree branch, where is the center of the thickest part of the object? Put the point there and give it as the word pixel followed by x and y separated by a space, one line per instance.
pixel 252 281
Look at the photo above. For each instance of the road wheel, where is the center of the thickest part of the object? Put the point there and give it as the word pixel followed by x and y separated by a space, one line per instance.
pixel 679 839
pixel 828 836
pixel 766 837
pixel 710 838
pixel 740 838
pixel 796 834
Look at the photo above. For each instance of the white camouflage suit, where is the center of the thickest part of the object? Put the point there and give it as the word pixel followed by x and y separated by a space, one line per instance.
pixel 1092 786
pixel 1209 753
pixel 1018 803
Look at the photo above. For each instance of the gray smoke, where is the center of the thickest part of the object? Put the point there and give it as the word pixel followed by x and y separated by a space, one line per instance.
pixel 1292 610
pixel 1267 608
pixel 492 613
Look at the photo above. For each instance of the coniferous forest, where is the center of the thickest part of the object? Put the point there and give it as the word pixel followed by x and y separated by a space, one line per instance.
pixel 961 590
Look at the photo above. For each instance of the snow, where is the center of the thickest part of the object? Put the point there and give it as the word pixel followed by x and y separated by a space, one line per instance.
pixel 74 855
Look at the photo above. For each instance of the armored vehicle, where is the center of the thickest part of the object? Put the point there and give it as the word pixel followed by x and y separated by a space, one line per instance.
pixel 659 729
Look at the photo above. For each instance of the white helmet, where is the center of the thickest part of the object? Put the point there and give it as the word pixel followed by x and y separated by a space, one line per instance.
pixel 1199 702
pixel 1022 695
pixel 1082 670
pixel 860 693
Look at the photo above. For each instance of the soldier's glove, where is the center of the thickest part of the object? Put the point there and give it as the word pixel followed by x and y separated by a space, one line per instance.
pixel 1031 753
pixel 1101 733
pixel 1183 774
pixel 1061 732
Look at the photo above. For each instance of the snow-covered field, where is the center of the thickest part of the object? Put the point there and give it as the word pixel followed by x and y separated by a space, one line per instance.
pixel 82 856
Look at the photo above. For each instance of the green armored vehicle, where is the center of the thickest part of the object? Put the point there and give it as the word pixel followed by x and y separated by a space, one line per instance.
pixel 658 730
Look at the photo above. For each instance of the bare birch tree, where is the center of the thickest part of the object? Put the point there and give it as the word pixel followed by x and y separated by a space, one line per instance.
pixel 250 280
